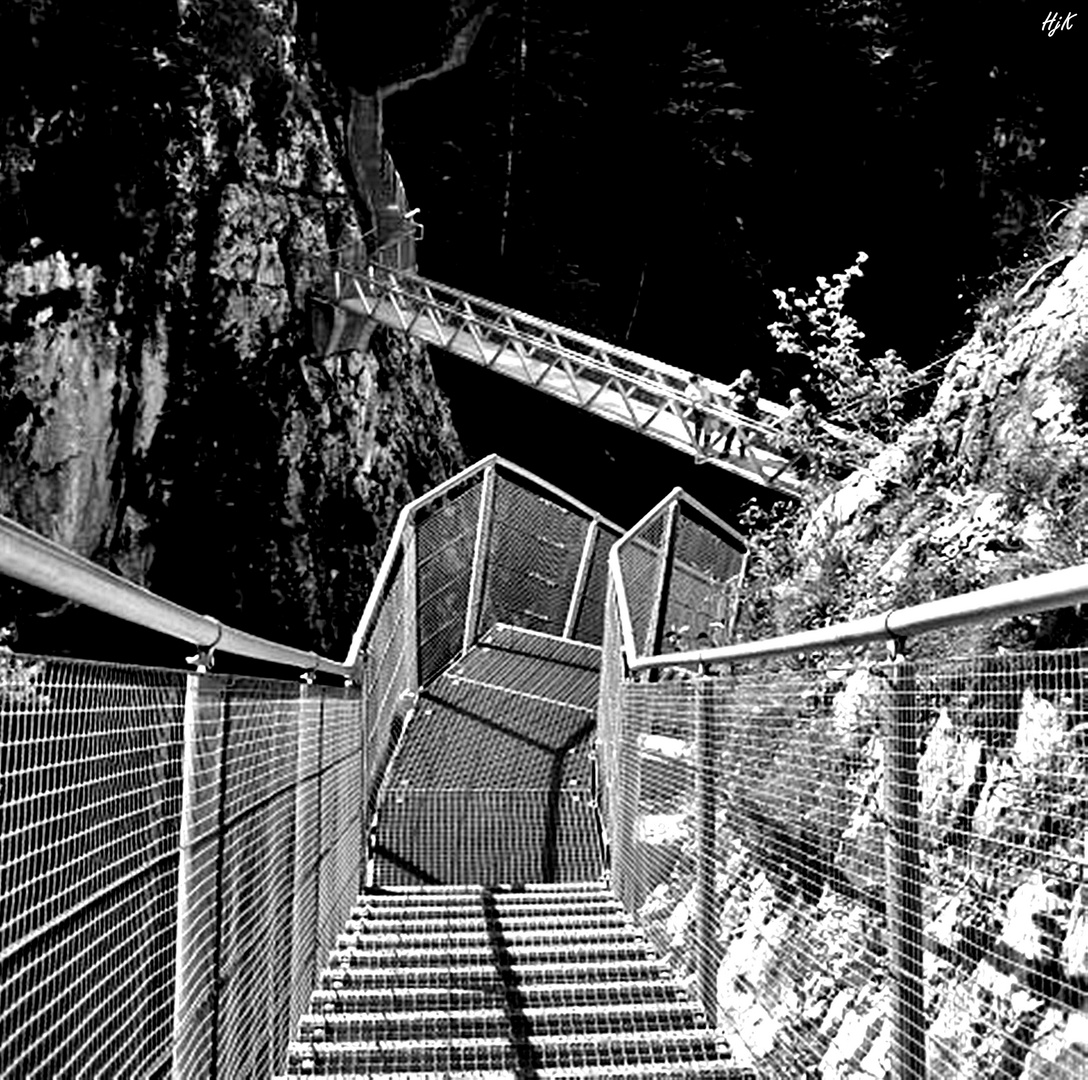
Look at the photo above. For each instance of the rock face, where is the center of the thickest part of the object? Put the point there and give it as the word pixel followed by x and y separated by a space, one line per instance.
pixel 169 416
pixel 988 484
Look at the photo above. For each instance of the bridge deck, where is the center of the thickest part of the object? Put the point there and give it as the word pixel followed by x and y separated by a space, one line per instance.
pixel 491 782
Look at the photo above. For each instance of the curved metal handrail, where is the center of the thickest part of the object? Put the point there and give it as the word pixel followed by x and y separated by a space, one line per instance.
pixel 1044 592
pixel 32 559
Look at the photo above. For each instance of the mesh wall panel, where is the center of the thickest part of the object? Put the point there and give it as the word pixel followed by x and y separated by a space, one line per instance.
pixel 589 625
pixel 862 865
pixel 534 552
pixel 272 848
pixel 1003 782
pixel 703 585
pixel 256 875
pixel 642 559
pixel 91 761
pixel 735 855
pixel 446 536
pixel 389 670
pixel 342 823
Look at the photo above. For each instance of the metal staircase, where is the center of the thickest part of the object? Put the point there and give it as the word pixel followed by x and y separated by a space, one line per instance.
pixel 624 387
pixel 549 981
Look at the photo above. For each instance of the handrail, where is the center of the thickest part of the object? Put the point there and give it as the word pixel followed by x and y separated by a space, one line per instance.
pixel 1043 592
pixel 45 564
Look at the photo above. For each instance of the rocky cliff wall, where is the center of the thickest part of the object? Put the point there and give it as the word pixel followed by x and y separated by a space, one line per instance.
pixel 166 412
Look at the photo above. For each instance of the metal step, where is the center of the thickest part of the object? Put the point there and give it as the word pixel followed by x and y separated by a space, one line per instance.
pixel 470 955
pixel 567 900
pixel 631 1049
pixel 502 936
pixel 497 1022
pixel 383 920
pixel 582 972
pixel 527 889
pixel 413 998
pixel 691 1070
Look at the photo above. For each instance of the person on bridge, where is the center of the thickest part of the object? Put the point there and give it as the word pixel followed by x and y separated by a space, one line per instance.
pixel 704 426
pixel 799 427
pixel 743 398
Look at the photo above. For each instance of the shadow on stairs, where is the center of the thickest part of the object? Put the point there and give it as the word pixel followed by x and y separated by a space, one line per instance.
pixel 534 982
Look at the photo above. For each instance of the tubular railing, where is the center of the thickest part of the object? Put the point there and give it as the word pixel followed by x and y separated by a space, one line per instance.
pixel 862 866
pixel 162 836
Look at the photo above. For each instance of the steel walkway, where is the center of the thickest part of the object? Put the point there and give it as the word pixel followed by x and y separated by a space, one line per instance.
pixel 487 944
pixel 624 387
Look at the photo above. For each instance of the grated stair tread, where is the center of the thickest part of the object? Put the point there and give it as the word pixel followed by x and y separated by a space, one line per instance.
pixel 717 1070
pixel 469 955
pixel 510 937
pixel 439 919
pixel 423 974
pixel 495 1022
pixel 548 1051
pixel 410 998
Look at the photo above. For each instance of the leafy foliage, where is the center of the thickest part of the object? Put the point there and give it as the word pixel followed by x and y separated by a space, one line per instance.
pixel 865 391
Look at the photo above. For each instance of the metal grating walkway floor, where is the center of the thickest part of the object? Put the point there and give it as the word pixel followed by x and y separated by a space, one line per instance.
pixel 443 971
pixel 492 781
pixel 551 982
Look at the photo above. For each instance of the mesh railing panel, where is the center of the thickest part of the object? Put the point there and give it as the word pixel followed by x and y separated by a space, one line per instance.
pixel 389 668
pixel 703 586
pixel 642 561
pixel 271 865
pixel 589 622
pixel 177 854
pixel 91 761
pixel 534 552
pixel 859 864
pixel 446 537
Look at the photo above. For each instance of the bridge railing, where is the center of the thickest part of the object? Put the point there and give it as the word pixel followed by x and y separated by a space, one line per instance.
pixel 177 850
pixel 864 866
pixel 632 389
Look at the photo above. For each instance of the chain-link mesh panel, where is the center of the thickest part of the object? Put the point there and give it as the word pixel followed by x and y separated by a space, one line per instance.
pixel 642 564
pixel 703 585
pixel 866 866
pixel 91 768
pixel 270 867
pixel 534 551
pixel 589 622
pixel 445 538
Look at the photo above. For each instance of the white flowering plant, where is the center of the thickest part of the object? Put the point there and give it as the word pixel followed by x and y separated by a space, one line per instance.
pixel 863 392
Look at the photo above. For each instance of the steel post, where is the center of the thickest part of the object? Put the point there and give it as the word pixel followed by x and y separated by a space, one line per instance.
pixel 655 629
pixel 578 592
pixel 706 904
pixel 479 560
pixel 904 876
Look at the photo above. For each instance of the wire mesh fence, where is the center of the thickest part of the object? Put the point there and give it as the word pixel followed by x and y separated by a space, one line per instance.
pixel 91 767
pixel 177 853
pixel 679 573
pixel 865 868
